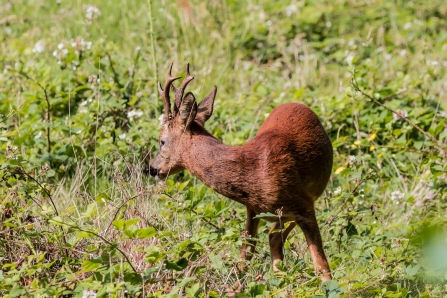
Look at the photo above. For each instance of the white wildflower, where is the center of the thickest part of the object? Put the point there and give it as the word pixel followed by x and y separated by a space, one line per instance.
pixel 137 49
pixel 349 59
pixel 442 114
pixel 268 23
pixel 89 294
pixel 85 45
pixel 403 113
pixel 328 24
pixel 122 136
pixel 291 9
pixel 403 52
pixel 388 57
pixel 60 52
pixel 337 191
pixel 134 114
pixel 39 47
pixel 351 159
pixel 92 13
pixel 39 135
pixel 407 25
pixel 396 196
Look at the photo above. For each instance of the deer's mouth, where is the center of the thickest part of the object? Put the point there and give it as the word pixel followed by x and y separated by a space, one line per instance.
pixel 156 173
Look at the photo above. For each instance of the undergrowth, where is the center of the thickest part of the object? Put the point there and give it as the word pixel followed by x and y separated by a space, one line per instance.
pixel 80 119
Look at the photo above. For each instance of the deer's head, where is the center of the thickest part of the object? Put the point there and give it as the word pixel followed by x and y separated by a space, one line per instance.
pixel 177 124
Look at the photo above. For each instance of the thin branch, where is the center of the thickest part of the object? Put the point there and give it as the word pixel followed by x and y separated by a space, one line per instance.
pixel 50 198
pixel 100 237
pixel 121 206
pixel 154 58
pixel 23 172
pixel 432 138
pixel 347 199
pixel 205 219
pixel 115 74
pixel 48 116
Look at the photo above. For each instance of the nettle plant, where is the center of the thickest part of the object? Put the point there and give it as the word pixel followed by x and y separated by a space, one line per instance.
pixel 83 104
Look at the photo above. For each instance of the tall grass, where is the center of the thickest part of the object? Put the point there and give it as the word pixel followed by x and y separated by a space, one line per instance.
pixel 259 54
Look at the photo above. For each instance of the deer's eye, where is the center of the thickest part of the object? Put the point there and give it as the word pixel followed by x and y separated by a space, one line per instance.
pixel 162 143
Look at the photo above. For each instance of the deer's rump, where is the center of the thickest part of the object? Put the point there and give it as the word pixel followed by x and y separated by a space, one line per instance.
pixel 295 154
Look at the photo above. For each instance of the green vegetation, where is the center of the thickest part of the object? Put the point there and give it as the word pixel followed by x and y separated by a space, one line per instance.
pixel 79 119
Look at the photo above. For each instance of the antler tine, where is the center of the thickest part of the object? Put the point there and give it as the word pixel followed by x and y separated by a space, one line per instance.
pixel 165 93
pixel 180 90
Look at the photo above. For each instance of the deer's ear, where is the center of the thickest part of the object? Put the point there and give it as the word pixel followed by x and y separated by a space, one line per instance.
pixel 205 108
pixel 187 110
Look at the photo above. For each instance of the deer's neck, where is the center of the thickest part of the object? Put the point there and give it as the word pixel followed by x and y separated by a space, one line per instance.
pixel 222 168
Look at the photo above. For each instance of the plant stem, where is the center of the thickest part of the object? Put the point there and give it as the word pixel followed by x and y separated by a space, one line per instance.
pixel 329 222
pixel 154 58
pixel 432 138
pixel 47 116
pixel 102 238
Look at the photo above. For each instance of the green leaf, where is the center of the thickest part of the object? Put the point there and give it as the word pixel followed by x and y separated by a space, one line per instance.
pixel 177 266
pixel 194 290
pixel 182 185
pixel 257 290
pixel 351 230
pixel 145 233
pixel 51 173
pixel 412 270
pixel 266 214
pixel 120 224
pixel 17 292
pixel 133 278
pixel 102 198
pixel 129 233
pixel 90 265
pixel 216 261
pixel 82 235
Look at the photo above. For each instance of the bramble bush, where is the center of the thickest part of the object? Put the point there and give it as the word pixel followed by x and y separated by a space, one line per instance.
pixel 79 120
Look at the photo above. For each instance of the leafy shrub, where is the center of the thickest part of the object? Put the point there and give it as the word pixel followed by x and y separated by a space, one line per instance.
pixel 80 119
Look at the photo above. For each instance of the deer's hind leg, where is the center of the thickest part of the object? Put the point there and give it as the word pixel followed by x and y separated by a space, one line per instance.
pixel 309 225
pixel 277 236
pixel 251 231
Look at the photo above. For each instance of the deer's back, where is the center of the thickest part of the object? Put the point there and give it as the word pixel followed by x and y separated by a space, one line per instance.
pixel 295 154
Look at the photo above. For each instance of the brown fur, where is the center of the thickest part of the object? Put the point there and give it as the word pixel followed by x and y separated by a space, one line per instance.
pixel 285 167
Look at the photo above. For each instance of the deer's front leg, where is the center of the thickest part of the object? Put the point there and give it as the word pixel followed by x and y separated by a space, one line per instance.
pixel 251 232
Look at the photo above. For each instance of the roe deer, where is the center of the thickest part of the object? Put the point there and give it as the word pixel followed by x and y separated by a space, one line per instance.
pixel 286 166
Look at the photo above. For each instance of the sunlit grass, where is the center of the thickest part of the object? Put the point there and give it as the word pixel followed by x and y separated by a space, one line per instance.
pixel 259 54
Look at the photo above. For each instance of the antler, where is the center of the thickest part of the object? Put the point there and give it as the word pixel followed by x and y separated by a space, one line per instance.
pixel 165 93
pixel 180 90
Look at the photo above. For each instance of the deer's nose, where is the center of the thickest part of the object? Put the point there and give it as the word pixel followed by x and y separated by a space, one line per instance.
pixel 153 171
